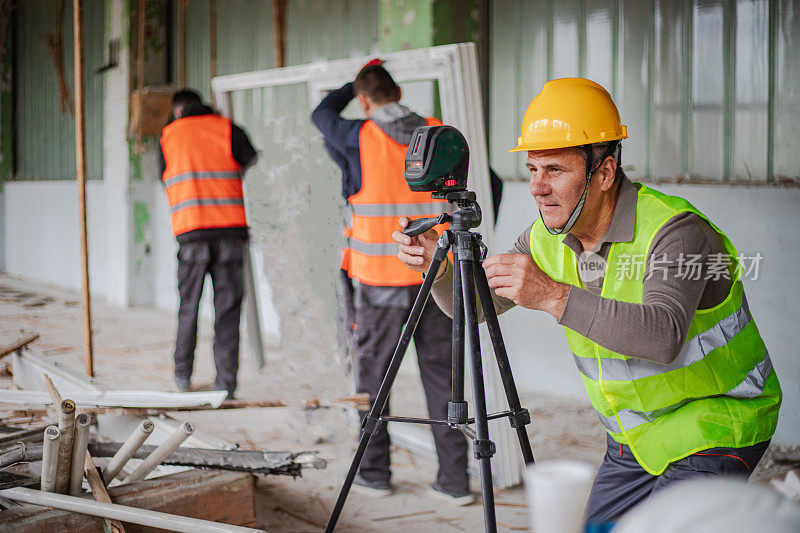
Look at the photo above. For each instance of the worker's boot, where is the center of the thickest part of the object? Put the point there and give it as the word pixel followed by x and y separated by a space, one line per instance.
pixel 183 385
pixel 458 498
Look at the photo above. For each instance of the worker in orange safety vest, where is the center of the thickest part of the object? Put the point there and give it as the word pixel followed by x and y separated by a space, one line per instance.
pixel 203 159
pixel 371 155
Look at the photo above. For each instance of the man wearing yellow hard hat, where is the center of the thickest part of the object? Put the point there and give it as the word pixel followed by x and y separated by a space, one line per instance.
pixel 650 296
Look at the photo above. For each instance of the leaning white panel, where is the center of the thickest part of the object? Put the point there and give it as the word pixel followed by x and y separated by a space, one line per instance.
pixel 454 69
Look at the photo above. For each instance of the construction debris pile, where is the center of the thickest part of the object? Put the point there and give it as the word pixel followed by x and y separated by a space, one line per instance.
pixel 53 465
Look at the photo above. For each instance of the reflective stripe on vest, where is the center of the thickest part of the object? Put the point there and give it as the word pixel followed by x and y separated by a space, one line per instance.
pixel 694 350
pixel 720 390
pixel 202 179
pixel 751 386
pixel 371 253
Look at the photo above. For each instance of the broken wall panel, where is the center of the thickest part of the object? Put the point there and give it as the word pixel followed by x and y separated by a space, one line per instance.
pixel 294 204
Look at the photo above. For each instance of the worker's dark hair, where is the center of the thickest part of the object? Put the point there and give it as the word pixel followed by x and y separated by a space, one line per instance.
pixel 597 153
pixel 374 82
pixel 185 97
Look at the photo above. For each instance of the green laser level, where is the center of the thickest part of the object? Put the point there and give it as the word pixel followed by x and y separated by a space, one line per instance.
pixel 437 160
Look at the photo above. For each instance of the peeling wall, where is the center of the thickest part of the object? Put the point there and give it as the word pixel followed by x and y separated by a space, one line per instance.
pixel 44 243
pixel 293 197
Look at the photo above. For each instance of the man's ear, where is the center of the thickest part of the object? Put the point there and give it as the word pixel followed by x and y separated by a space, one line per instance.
pixel 365 104
pixel 608 173
pixel 399 93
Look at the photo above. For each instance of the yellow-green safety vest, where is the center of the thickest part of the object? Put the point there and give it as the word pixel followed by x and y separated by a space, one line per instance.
pixel 720 391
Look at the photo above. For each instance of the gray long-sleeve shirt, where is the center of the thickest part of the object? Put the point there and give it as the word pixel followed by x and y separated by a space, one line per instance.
pixel 655 329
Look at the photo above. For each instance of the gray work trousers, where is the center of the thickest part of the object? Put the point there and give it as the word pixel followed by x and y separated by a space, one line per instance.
pixel 222 260
pixel 621 482
pixel 377 331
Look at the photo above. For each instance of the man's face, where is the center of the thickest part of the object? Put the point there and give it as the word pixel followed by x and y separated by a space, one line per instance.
pixel 558 177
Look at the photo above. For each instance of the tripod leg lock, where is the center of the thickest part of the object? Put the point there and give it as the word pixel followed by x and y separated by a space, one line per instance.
pixel 520 419
pixel 483 448
pixel 457 412
pixel 371 425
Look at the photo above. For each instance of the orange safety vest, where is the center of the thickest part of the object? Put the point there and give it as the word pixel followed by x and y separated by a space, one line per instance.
pixel 384 197
pixel 202 179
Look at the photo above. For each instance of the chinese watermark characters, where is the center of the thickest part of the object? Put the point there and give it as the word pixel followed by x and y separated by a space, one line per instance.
pixel 712 267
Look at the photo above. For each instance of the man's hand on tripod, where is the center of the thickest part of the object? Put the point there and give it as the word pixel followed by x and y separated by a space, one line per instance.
pixel 518 278
pixel 417 252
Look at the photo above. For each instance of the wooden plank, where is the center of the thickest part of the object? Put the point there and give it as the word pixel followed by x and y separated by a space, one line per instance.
pixel 12 409
pixel 80 170
pixel 100 492
pixel 17 344
pixel 51 389
pixel 219 496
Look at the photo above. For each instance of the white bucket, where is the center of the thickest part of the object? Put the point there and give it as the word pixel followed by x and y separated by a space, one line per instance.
pixel 556 491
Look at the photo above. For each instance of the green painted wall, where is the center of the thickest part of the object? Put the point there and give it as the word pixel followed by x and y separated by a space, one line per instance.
pixel 409 24
pixel 316 30
pixel 406 24
pixel 45 136
pixel 707 88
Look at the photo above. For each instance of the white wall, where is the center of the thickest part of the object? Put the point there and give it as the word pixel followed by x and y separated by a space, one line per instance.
pixel 42 233
pixel 757 219
pixel 2 230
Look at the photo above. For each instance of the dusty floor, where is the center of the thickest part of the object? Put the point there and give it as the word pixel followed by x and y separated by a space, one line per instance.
pixel 133 350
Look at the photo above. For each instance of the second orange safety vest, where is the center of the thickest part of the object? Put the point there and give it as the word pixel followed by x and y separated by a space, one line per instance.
pixel 371 254
pixel 202 179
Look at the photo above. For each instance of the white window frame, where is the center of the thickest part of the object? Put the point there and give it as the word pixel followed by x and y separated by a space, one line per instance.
pixel 455 69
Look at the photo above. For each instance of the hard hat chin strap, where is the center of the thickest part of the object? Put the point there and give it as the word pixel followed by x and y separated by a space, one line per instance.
pixel 573 217
pixel 614 149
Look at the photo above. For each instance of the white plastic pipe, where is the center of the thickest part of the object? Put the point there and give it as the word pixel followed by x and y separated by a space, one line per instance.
pixel 123 513
pixel 163 450
pixel 52 436
pixel 127 450
pixel 66 424
pixel 79 445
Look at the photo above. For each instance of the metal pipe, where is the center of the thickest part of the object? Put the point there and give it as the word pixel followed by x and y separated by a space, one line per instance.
pixel 160 453
pixel 258 462
pixel 79 445
pixel 237 460
pixel 130 446
pixel 52 436
pixel 123 513
pixel 66 424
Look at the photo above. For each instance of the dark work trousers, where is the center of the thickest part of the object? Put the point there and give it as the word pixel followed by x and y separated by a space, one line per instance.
pixel 621 482
pixel 222 259
pixel 376 334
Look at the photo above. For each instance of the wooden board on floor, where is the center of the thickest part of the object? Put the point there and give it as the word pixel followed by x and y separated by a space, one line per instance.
pixel 211 495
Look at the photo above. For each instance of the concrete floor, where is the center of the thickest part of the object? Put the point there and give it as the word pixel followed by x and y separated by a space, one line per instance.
pixel 133 349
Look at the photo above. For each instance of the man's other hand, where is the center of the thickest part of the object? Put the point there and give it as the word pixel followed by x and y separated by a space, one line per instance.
pixel 416 252
pixel 518 278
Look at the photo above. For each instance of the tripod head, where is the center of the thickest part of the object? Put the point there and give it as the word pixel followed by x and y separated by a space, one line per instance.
pixel 466 216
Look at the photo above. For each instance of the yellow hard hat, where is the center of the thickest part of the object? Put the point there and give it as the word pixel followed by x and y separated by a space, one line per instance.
pixel 570 112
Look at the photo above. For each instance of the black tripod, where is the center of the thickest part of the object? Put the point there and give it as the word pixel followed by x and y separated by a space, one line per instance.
pixel 469 252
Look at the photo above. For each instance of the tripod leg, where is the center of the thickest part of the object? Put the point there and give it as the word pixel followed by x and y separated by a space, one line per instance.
pixel 483 447
pixel 521 416
pixel 457 411
pixel 372 420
